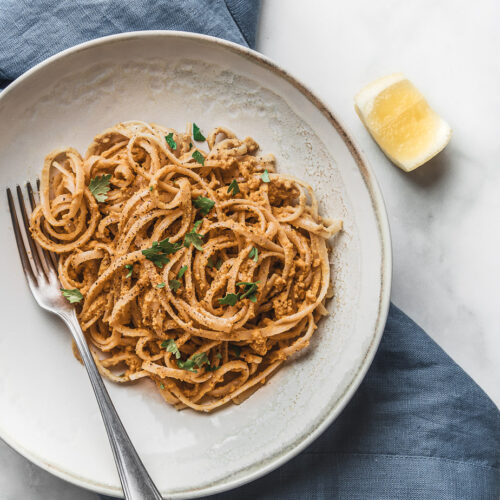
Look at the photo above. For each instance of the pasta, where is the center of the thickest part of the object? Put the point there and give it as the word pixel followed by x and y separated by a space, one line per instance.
pixel 190 260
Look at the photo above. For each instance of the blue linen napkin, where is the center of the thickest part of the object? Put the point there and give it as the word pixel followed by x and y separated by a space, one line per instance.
pixel 418 427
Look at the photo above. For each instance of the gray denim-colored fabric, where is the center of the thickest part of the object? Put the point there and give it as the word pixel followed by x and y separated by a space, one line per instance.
pixel 418 428
pixel 32 30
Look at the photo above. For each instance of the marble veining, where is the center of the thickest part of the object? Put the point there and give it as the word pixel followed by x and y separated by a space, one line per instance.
pixel 444 216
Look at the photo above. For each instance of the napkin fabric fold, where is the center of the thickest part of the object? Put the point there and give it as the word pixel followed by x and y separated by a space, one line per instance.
pixel 31 31
pixel 418 427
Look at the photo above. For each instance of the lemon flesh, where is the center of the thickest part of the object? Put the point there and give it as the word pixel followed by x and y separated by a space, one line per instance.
pixel 401 121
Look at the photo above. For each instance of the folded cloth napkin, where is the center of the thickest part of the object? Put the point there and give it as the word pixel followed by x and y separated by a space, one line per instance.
pixel 418 427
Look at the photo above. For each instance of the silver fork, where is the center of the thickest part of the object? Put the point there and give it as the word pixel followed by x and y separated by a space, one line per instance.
pixel 40 272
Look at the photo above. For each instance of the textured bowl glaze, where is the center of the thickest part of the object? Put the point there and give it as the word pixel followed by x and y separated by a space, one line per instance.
pixel 47 409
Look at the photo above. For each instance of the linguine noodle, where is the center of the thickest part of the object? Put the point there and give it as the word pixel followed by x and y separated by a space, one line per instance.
pixel 191 263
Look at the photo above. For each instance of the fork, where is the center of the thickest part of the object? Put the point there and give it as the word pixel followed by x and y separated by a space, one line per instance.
pixel 40 273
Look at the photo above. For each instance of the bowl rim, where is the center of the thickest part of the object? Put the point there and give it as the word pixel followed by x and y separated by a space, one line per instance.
pixel 380 212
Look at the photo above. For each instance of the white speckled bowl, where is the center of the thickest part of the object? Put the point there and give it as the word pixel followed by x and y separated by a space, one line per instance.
pixel 47 409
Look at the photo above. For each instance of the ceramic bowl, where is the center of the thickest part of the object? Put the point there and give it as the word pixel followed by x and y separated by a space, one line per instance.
pixel 48 411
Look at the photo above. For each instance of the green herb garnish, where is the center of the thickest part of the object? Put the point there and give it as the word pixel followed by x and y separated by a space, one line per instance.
pixel 212 368
pixel 265 176
pixel 99 186
pixel 186 365
pixel 159 251
pixel 150 188
pixel 204 204
pixel 198 360
pixel 193 237
pixel 174 285
pixel 249 293
pixel 254 254
pixel 250 290
pixel 171 346
pixel 73 295
pixel 213 263
pixel 130 268
pixel 170 141
pixel 197 135
pixel 160 285
pixel 181 272
pixel 198 157
pixel 233 187
pixel 229 300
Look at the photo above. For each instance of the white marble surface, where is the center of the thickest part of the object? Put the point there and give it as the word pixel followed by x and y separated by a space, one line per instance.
pixel 445 217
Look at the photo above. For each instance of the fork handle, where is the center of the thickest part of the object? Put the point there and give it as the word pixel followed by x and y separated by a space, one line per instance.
pixel 136 482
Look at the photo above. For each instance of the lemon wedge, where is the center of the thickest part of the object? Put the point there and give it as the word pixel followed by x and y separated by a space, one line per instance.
pixel 401 121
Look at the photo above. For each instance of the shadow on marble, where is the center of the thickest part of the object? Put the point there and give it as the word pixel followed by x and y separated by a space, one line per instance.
pixel 433 173
pixel 20 479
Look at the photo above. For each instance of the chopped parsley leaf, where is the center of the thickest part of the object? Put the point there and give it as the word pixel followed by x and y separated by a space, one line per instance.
pixel 254 254
pixel 99 186
pixel 204 204
pixel 211 262
pixel 199 157
pixel 174 285
pixel 151 188
pixel 212 368
pixel 250 290
pixel 181 272
pixel 159 251
pixel 130 268
pixel 162 387
pixel 229 300
pixel 160 285
pixel 170 141
pixel 156 256
pixel 233 187
pixel 249 293
pixel 193 237
pixel 198 360
pixel 186 365
pixel 265 176
pixel 197 135
pixel 168 247
pixel 74 295
pixel 171 346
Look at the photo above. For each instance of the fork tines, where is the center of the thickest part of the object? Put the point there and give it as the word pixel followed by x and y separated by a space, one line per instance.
pixel 38 263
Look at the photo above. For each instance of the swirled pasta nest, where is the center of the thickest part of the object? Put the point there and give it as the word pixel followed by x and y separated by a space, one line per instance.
pixel 191 262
